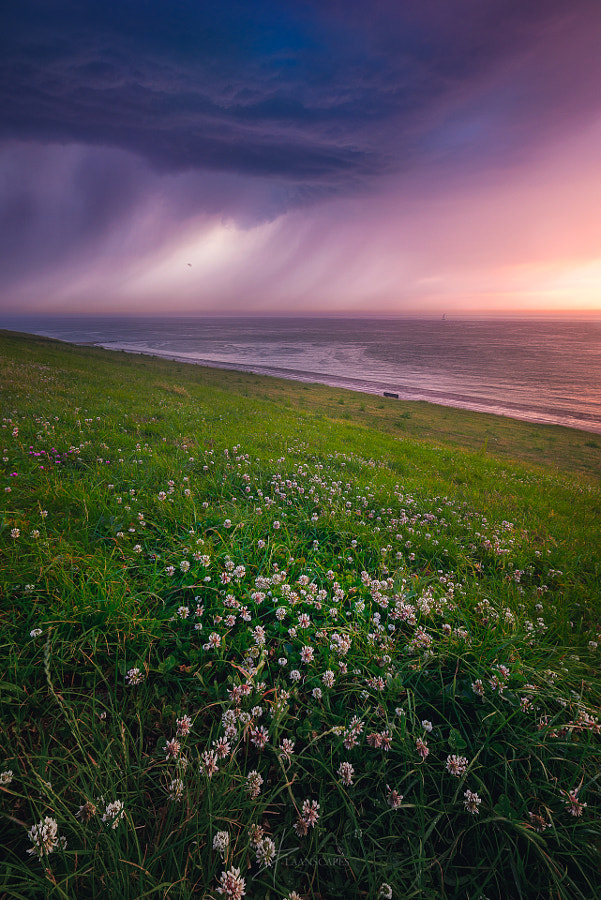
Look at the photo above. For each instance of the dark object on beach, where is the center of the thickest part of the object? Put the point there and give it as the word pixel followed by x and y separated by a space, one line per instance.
pixel 390 394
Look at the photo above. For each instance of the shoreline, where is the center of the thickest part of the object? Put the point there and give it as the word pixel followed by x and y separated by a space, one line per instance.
pixel 449 400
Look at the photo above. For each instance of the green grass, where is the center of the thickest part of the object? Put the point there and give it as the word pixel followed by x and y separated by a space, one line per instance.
pixel 432 576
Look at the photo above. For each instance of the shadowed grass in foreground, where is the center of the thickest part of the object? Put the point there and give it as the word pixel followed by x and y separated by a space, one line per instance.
pixel 249 649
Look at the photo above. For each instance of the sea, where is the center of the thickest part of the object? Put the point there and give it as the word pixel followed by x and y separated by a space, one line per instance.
pixel 539 370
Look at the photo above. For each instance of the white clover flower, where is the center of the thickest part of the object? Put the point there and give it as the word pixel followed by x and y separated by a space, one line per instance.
pixel 287 748
pixel 176 790
pixel 310 812
pixel 456 765
pixel 184 724
pixel 134 676
pixel 35 632
pixel 346 772
pixel 307 654
pixel 113 813
pixel 172 749
pixel 266 852
pixel 221 843
pixel 472 802
pixel 6 777
pixel 253 784
pixel 328 678
pixel 232 885
pixel 208 763
pixel 44 837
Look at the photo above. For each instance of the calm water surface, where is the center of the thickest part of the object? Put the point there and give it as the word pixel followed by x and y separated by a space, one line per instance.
pixel 544 370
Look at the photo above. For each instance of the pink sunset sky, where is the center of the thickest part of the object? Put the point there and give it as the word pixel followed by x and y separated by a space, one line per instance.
pixel 328 158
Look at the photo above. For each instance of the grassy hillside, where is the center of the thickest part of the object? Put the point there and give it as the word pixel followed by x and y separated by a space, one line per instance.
pixel 261 637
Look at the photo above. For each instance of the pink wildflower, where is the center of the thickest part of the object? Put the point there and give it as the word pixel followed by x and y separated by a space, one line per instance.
pixel 310 812
pixel 307 654
pixel 456 765
pixel 260 737
pixel 208 764
pixel 183 725
pixel 172 748
pixel 232 885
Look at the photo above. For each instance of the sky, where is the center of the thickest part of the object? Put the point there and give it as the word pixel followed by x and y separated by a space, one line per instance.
pixel 333 157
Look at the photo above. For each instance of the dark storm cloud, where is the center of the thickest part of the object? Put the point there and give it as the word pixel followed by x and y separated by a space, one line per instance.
pixel 71 204
pixel 324 95
pixel 131 129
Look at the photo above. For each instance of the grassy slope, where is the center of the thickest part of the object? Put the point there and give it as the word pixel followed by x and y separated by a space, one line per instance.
pixel 103 609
